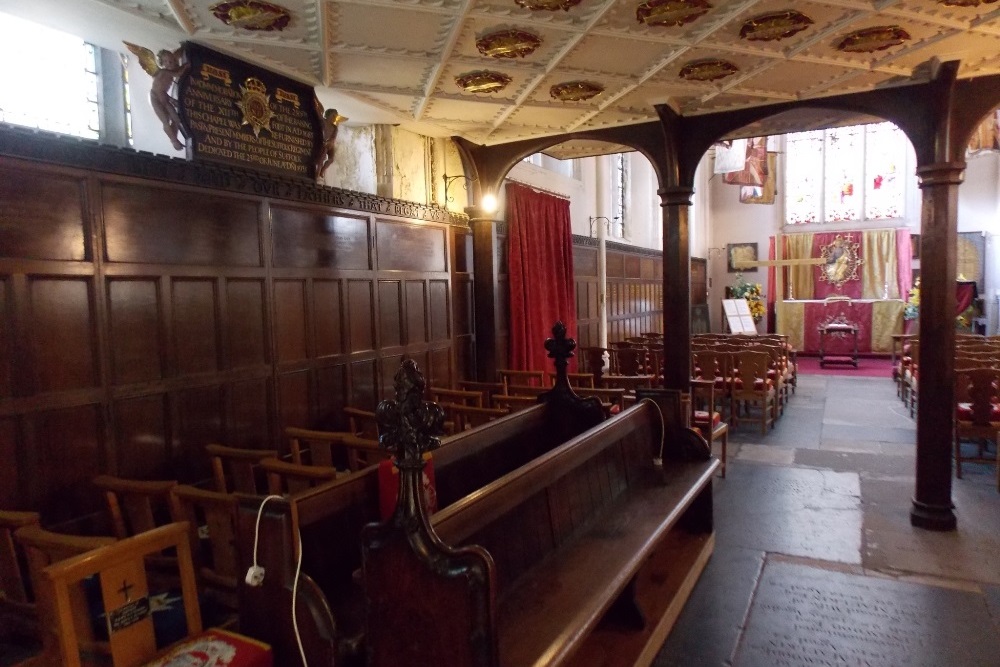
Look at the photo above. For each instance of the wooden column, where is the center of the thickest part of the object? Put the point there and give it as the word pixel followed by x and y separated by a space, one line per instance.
pixel 932 505
pixel 485 291
pixel 675 202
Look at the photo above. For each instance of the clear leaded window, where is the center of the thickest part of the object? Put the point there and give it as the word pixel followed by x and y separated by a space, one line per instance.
pixel 49 81
pixel 846 173
pixel 619 195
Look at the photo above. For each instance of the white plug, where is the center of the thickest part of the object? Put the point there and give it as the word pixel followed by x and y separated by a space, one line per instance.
pixel 255 576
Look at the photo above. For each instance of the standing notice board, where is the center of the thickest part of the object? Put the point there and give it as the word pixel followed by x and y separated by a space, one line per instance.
pixel 738 317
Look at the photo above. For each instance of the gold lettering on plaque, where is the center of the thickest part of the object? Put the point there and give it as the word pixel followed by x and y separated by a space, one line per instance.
pixel 285 96
pixel 211 72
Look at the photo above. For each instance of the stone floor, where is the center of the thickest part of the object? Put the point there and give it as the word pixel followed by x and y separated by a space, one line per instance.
pixel 816 562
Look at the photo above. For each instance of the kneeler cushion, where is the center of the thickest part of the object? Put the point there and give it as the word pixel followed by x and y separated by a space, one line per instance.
pixel 217 648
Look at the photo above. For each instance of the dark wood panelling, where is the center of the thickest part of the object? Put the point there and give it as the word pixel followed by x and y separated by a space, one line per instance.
pixel 390 307
pixel 10 495
pixel 632 264
pixel 438 308
pixel 194 309
pixel 248 422
pixel 440 366
pixel 360 314
pixel 328 318
pixel 6 340
pixel 41 219
pixel 416 309
pixel 197 416
pixel 309 239
pixel 387 370
pixel 65 456
pixel 290 319
pixel 140 434
pixel 464 316
pixel 135 330
pixel 247 323
pixel 160 226
pixel 403 247
pixel 585 261
pixel 63 341
pixel 331 396
pixel 293 397
pixel 463 251
pixel 615 265
pixel 363 374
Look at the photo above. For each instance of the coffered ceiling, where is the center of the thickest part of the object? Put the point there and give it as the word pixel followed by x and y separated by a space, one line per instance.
pixel 399 60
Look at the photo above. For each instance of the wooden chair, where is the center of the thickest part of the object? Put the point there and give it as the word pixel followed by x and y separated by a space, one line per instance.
pixel 467 416
pixel 911 374
pixel 211 520
pixel 628 361
pixel 977 413
pixel 236 470
pixel 576 380
pixel 709 421
pixel 17 607
pixel 468 397
pixel 362 423
pixel 592 360
pixel 284 478
pixel 717 367
pixel 628 382
pixel 135 506
pixel 42 548
pixel 328 448
pixel 487 389
pixel 752 386
pixel 124 587
pixel 514 403
pixel 534 378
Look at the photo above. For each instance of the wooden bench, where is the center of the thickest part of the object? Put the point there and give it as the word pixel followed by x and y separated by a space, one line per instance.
pixel 583 556
pixel 330 519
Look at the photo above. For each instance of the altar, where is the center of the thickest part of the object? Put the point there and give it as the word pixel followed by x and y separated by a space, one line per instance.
pixel 876 321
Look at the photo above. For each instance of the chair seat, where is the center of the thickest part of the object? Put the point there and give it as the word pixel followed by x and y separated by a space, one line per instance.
pixel 963 412
pixel 757 385
pixel 217 647
pixel 701 417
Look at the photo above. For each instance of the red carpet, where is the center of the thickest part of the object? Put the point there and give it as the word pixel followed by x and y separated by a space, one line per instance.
pixel 867 367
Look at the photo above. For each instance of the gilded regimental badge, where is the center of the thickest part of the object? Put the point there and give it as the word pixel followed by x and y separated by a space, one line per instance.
pixel 256 105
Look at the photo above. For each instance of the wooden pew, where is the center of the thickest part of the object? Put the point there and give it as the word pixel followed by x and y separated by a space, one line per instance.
pixel 330 519
pixel 584 555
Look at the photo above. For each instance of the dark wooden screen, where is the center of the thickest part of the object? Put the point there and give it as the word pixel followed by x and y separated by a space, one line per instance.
pixel 699 296
pixel 142 319
pixel 635 291
pixel 587 283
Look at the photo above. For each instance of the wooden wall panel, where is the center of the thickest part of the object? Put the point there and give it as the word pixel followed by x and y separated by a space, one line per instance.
pixel 313 239
pixel 145 224
pixel 440 366
pixel 390 307
pixel 416 312
pixel 249 420
pixel 6 340
pixel 42 219
pixel 363 383
pixel 403 247
pixel 65 455
pixel 196 420
pixel 63 334
pixel 290 319
pixel 361 315
pixel 293 397
pixel 328 317
pixel 332 395
pixel 438 308
pixel 387 370
pixel 135 330
pixel 141 436
pixel 10 471
pixel 195 341
pixel 246 323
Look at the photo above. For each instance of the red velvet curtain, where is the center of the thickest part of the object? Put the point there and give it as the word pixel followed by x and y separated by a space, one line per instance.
pixel 540 262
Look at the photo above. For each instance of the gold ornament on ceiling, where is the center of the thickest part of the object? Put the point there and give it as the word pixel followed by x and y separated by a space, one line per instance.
pixel 841 261
pixel 670 12
pixel 869 40
pixel 252 15
pixel 508 44
pixel 483 81
pixel 575 91
pixel 774 26
pixel 547 5
pixel 255 105
pixel 707 70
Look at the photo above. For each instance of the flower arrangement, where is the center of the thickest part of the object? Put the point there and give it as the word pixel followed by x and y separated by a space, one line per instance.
pixel 753 293
pixel 912 308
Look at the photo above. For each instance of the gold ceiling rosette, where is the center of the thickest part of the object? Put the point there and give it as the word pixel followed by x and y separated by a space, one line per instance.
pixel 774 26
pixel 508 44
pixel 575 91
pixel 707 70
pixel 547 5
pixel 841 261
pixel 671 12
pixel 483 81
pixel 869 40
pixel 252 15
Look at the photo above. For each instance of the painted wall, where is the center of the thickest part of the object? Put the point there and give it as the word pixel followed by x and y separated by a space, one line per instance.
pixel 353 165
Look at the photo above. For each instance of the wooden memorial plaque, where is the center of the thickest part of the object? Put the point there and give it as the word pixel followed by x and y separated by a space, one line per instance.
pixel 246 116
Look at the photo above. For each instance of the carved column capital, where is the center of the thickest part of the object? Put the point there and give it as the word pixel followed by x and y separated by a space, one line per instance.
pixel 941 173
pixel 675 195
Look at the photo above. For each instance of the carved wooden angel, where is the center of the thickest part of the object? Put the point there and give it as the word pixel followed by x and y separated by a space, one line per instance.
pixel 329 119
pixel 165 68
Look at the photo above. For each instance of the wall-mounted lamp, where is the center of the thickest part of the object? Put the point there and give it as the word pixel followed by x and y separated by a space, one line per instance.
pixel 489 203
pixel 607 224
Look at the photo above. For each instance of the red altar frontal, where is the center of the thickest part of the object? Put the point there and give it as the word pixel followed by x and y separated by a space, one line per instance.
pixel 876 321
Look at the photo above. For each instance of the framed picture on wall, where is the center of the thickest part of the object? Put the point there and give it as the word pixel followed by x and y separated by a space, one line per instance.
pixel 739 253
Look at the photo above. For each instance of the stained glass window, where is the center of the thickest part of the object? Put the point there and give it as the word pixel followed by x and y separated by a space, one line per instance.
pixel 846 173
